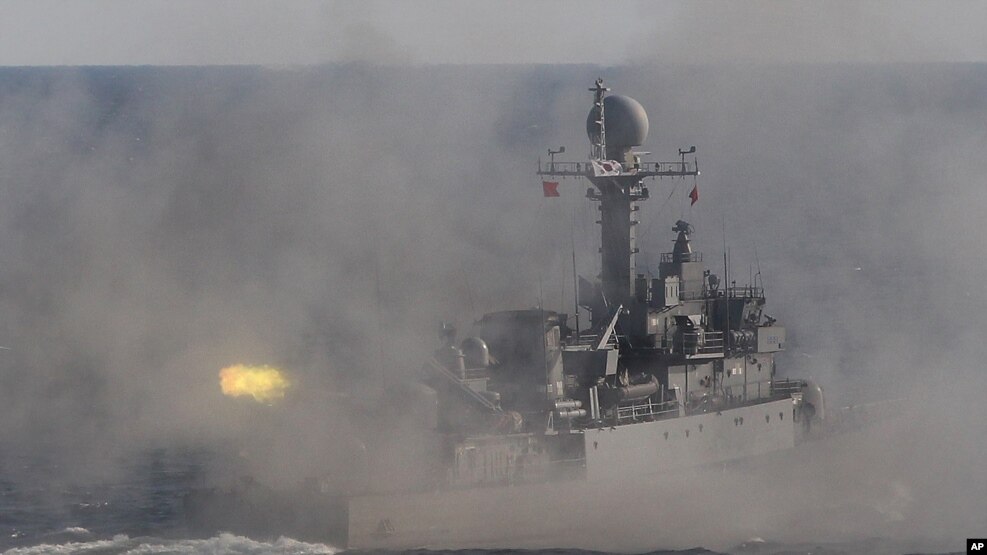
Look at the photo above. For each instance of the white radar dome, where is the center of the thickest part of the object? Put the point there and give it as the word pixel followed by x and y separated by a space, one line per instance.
pixel 626 122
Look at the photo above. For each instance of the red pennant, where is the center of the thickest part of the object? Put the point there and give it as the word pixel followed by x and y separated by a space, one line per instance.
pixel 550 188
pixel 694 195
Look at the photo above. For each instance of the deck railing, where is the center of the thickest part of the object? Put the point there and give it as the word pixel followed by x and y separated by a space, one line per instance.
pixel 669 257
pixel 785 386
pixel 649 410
pixel 702 343
pixel 644 169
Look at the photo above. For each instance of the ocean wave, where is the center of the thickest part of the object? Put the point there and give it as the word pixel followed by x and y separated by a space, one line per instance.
pixel 222 544
pixel 77 530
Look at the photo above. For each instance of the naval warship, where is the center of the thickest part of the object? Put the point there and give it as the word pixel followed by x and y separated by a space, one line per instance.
pixel 528 419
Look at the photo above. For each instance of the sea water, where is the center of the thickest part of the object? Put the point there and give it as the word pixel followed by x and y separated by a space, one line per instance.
pixel 137 509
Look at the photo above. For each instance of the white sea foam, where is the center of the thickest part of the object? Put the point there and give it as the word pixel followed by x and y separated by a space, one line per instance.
pixel 223 544
pixel 98 546
pixel 79 530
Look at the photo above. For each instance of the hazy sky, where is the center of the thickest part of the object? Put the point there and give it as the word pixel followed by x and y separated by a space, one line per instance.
pixel 82 32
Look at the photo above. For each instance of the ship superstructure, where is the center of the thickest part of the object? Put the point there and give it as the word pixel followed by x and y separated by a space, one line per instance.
pixel 675 369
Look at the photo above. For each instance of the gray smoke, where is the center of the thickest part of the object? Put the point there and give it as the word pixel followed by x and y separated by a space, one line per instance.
pixel 177 32
pixel 157 225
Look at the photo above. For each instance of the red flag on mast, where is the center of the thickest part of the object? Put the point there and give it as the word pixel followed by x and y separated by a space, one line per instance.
pixel 694 195
pixel 550 188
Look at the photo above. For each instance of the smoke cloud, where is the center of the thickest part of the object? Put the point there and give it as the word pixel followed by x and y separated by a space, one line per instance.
pixel 629 32
pixel 157 225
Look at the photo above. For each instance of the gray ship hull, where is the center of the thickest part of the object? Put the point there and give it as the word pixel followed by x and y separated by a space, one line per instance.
pixel 784 494
pixel 653 454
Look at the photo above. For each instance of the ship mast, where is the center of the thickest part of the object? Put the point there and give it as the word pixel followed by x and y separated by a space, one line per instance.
pixel 615 125
pixel 600 141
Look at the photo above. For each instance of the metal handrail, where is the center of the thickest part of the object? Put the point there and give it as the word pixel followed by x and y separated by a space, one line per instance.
pixel 786 386
pixel 444 372
pixel 740 292
pixel 707 342
pixel 667 257
pixel 644 410
pixel 644 169
pixel 745 292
